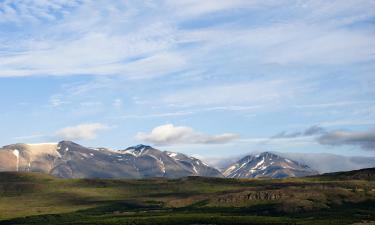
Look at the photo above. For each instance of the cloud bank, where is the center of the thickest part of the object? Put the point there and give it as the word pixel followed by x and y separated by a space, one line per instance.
pixel 169 134
pixel 311 131
pixel 363 139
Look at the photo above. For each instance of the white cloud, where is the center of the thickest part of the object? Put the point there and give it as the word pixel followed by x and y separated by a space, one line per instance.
pixel 82 131
pixel 169 134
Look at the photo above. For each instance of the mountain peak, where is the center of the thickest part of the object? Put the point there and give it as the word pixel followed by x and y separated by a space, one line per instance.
pixel 67 142
pixel 269 155
pixel 139 147
pixel 267 164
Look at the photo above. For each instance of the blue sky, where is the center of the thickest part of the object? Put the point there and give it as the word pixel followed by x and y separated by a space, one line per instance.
pixel 208 78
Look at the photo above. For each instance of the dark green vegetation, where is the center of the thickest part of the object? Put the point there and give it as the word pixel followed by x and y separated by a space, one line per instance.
pixel 343 198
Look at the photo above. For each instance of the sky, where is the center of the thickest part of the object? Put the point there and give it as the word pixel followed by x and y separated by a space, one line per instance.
pixel 212 78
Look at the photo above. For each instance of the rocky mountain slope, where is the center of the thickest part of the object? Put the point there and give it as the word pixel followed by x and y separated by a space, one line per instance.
pixel 267 164
pixel 70 160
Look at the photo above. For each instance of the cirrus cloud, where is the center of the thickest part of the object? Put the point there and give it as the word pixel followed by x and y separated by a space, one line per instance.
pixel 169 134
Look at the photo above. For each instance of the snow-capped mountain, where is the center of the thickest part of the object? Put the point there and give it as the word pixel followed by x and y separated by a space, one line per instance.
pixel 70 160
pixel 267 164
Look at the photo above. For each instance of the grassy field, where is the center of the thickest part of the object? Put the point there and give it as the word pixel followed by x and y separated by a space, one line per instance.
pixel 30 198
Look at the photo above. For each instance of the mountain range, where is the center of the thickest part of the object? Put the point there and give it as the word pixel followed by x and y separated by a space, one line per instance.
pixel 67 159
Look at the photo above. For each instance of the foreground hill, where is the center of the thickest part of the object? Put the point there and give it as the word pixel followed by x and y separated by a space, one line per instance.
pixel 69 160
pixel 362 174
pixel 269 165
pixel 32 198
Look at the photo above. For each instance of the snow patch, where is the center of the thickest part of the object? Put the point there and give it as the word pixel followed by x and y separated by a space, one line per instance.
pixel 205 164
pixel 133 152
pixel 259 164
pixel 162 166
pixel 41 144
pixel 195 170
pixel 58 154
pixel 36 151
pixel 230 169
pixel 17 154
pixel 172 154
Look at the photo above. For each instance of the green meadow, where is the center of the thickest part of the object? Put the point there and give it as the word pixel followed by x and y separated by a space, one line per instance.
pixel 32 198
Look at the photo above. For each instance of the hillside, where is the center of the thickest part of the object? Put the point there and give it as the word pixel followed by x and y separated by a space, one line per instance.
pixel 32 198
pixel 362 174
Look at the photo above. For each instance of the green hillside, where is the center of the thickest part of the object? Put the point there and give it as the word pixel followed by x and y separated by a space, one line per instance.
pixel 30 198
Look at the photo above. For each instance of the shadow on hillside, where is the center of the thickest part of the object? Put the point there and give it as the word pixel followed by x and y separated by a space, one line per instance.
pixel 132 212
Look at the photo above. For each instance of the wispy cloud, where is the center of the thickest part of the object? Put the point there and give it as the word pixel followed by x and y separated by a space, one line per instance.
pixel 351 122
pixel 21 11
pixel 75 44
pixel 334 104
pixel 157 115
pixel 311 131
pixel 237 93
pixel 235 108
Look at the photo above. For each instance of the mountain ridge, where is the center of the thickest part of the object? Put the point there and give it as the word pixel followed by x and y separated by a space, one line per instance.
pixel 68 159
